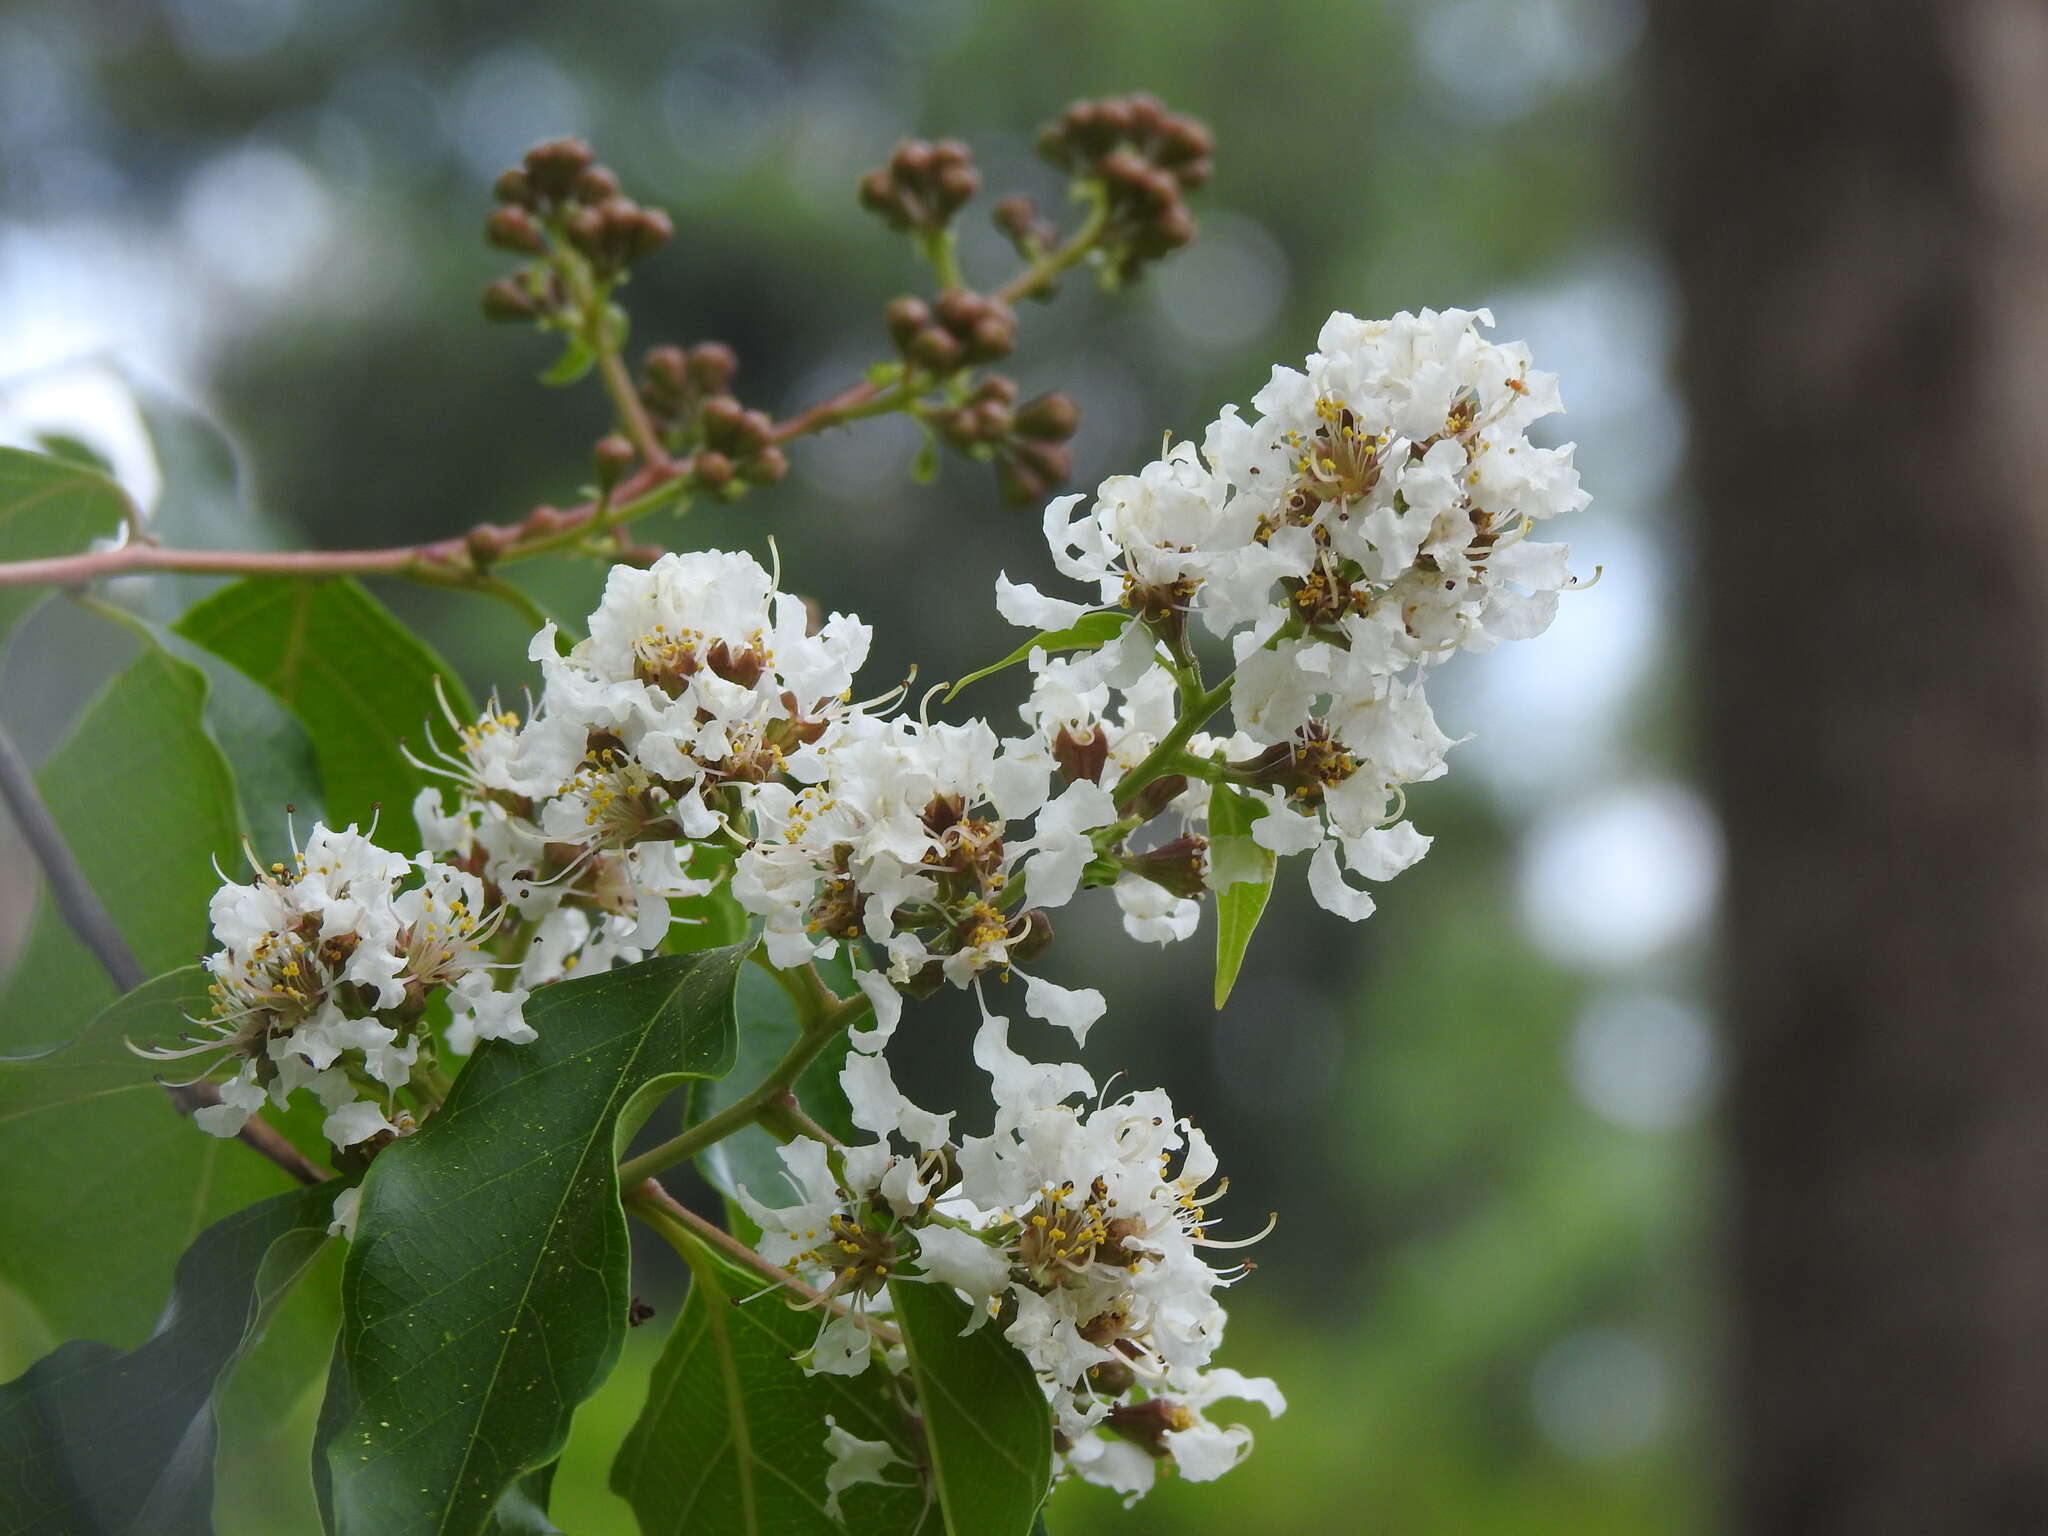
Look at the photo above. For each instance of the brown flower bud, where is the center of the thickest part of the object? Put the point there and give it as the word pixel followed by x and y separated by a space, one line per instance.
pixel 712 469
pixel 511 228
pixel 766 467
pixel 513 187
pixel 912 160
pixel 1112 1378
pixel 712 365
pixel 612 457
pixel 1158 795
pixel 996 386
pixel 1036 938
pixel 665 370
pixel 507 299
pixel 1180 866
pixel 720 416
pixel 485 542
pixel 905 317
pixel 588 230
pixel 1051 418
pixel 552 167
pixel 992 336
pixel 958 309
pixel 934 349
pixel 596 184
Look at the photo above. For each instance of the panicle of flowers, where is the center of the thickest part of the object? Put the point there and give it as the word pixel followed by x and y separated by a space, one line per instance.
pixel 325 969
pixel 1375 513
pixel 1078 1229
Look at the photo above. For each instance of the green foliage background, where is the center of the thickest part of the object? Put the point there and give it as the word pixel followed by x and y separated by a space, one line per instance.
pixel 1450 1209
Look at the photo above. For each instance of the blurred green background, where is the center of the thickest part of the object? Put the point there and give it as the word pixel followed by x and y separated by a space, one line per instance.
pixel 1483 1116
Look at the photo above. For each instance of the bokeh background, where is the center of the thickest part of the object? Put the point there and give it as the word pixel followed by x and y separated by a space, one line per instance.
pixel 1483 1117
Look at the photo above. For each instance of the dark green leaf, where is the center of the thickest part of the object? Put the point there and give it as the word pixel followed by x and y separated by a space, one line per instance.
pixel 486 1292
pixel 1244 872
pixel 1090 632
pixel 767 1029
pixel 732 1440
pixel 576 360
pixel 988 1430
pixel 357 679
pixel 49 506
pixel 107 1182
pixel 146 802
pixel 263 1469
pixel 96 1441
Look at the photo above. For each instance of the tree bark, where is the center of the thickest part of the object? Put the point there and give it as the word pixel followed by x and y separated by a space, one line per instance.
pixel 1855 200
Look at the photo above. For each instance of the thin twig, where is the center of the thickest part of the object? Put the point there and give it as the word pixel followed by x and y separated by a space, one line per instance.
pixel 652 1203
pixel 87 916
pixel 77 901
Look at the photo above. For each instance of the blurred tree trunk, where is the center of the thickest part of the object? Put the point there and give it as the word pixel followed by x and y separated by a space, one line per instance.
pixel 1856 200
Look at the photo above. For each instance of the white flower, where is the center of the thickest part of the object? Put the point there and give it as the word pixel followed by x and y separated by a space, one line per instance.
pixel 325 967
pixel 854 1460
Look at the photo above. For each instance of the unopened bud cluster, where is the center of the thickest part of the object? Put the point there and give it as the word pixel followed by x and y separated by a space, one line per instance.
pixel 1145 159
pixel 559 198
pixel 922 187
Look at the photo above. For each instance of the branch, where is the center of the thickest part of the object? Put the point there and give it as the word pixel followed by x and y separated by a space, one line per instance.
pixel 661 1211
pixel 77 901
pixel 87 917
pixel 817 1033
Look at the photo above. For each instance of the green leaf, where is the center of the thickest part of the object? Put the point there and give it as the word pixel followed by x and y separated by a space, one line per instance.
pixel 1090 632
pixel 767 1028
pixel 49 506
pixel 107 1182
pixel 924 469
pixel 1244 879
pixel 987 1427
pixel 94 1440
pixel 358 680
pixel 576 360
pixel 732 1439
pixel 266 1410
pixel 486 1291
pixel 146 802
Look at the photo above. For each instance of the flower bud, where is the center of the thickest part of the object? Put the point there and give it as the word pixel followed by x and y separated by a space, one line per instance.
pixel 664 379
pixel 1112 1378
pixel 959 310
pixel 507 299
pixel 712 469
pixel 513 187
pixel 612 457
pixel 766 467
pixel 485 543
pixel 1037 937
pixel 712 365
pixel 993 336
pixel 720 416
pixel 596 184
pixel 905 317
pixel 552 167
pixel 1158 795
pixel 511 228
pixel 1051 418
pixel 934 349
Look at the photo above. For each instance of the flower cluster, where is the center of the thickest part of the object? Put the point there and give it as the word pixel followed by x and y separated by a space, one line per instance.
pixel 326 967
pixel 1077 1230
pixel 1373 515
